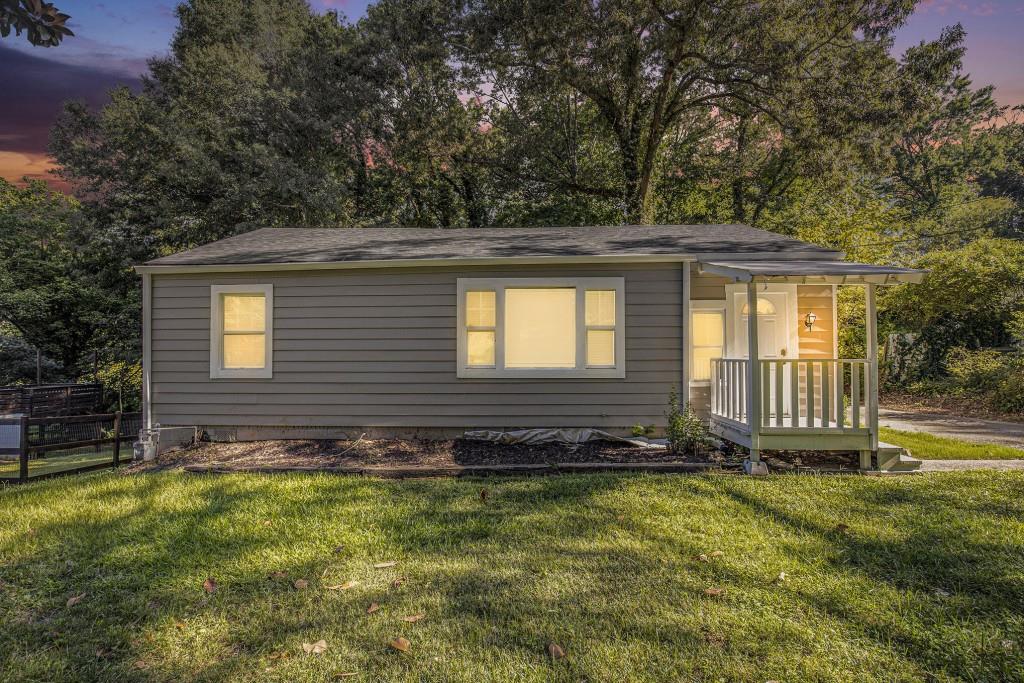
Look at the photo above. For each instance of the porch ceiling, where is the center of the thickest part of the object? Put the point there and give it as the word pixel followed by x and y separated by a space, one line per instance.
pixel 830 272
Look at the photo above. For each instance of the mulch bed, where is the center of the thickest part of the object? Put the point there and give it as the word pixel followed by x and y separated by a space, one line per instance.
pixel 420 453
pixel 458 454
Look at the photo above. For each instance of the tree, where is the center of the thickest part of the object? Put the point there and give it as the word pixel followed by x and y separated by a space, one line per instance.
pixel 43 24
pixel 971 297
pixel 660 70
pixel 947 139
pixel 229 132
pixel 41 295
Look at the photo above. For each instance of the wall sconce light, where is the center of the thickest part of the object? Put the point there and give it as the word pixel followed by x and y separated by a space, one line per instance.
pixel 809 321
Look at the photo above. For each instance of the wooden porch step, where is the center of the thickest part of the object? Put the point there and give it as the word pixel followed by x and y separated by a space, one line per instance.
pixel 896 459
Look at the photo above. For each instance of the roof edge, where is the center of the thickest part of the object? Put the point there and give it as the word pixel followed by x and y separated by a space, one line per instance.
pixel 793 254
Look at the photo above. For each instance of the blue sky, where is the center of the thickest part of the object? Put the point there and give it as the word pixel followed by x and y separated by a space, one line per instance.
pixel 114 38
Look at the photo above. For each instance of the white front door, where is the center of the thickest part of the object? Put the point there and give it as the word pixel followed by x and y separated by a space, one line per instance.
pixel 777 336
pixel 772 324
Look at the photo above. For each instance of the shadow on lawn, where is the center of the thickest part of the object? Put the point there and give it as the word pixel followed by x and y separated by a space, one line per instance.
pixel 154 554
pixel 949 568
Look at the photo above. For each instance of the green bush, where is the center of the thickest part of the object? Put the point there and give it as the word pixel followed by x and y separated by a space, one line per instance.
pixel 687 433
pixel 976 371
pixel 997 378
pixel 1009 393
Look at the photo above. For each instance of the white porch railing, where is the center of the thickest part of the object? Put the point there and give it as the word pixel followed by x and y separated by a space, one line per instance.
pixel 797 393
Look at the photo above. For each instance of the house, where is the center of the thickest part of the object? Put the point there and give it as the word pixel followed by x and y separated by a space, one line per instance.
pixel 315 333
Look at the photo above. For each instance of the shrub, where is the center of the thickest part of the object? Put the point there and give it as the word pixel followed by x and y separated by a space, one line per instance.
pixel 1009 393
pixel 686 432
pixel 976 371
pixel 640 430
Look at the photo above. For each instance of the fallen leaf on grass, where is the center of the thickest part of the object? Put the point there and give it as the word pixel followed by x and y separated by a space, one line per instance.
pixel 385 565
pixel 781 577
pixel 717 553
pixel 280 655
pixel 300 584
pixel 315 648
pixel 555 651
pixel 338 549
pixel 397 583
pixel 372 608
pixel 141 665
pixel 483 495
pixel 75 599
pixel 400 644
pixel 941 593
pixel 267 522
pixel 701 558
pixel 278 575
pixel 714 592
pixel 841 528
pixel 180 625
pixel 413 618
pixel 343 586
pixel 210 586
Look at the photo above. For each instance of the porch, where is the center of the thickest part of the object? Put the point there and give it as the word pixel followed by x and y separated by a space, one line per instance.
pixel 789 401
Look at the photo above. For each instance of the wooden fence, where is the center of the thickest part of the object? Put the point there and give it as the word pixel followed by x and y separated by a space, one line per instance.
pixel 39 436
pixel 51 399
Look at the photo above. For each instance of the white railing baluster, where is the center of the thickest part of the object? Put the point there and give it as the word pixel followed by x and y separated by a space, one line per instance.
pixel 855 395
pixel 780 375
pixel 810 394
pixel 826 416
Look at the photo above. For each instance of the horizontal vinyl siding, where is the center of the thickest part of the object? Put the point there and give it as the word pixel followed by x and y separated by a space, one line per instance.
pixel 377 349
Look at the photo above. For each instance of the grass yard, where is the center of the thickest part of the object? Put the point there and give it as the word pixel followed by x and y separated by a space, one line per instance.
pixel 928 447
pixel 821 578
pixel 57 461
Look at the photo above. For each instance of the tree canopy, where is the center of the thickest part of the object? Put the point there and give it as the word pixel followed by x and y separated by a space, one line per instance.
pixel 794 117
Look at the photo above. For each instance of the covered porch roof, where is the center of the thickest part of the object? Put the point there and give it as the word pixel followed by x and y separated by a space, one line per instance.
pixel 810 271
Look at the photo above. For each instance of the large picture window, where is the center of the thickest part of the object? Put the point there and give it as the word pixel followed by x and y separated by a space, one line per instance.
pixel 241 331
pixel 531 327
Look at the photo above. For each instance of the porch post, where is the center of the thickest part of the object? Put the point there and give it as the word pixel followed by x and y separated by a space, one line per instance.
pixel 871 330
pixel 754 465
pixel 684 379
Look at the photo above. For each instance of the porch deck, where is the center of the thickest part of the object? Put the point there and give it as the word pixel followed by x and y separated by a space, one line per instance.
pixel 802 404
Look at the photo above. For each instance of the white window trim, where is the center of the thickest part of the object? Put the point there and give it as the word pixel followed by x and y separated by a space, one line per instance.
pixel 581 284
pixel 217 332
pixel 707 305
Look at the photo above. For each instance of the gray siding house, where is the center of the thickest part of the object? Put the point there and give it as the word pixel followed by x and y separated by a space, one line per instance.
pixel 295 333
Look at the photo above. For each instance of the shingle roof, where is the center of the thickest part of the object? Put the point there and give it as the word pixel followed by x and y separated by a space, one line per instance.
pixel 330 245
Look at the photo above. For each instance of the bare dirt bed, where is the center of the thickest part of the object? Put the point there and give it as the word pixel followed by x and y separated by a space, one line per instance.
pixel 404 453
pixel 452 453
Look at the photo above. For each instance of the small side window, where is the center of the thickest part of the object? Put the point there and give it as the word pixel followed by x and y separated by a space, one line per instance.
pixel 241 334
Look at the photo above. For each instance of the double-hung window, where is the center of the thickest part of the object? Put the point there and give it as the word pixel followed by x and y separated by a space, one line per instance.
pixel 241 331
pixel 532 327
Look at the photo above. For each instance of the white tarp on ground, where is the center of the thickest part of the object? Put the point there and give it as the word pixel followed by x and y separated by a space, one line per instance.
pixel 572 437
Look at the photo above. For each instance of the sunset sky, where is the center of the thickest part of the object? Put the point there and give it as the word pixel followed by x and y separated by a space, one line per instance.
pixel 114 38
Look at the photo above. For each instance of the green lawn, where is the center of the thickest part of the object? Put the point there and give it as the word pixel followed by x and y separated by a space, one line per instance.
pixel 928 447
pixel 925 583
pixel 58 462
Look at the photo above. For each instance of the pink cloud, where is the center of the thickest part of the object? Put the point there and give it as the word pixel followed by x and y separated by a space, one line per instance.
pixel 944 7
